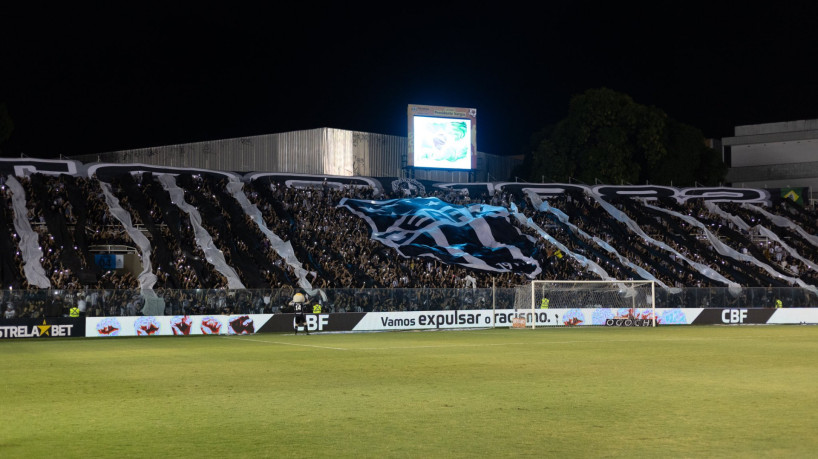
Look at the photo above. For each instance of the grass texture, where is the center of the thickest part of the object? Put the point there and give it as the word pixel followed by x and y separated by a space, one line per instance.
pixel 571 392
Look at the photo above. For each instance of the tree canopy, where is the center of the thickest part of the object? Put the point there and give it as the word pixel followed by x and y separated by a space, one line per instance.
pixel 610 138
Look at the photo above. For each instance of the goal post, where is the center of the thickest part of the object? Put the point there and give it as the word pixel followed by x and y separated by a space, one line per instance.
pixel 560 303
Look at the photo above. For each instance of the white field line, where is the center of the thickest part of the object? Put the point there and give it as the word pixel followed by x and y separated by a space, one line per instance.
pixel 446 346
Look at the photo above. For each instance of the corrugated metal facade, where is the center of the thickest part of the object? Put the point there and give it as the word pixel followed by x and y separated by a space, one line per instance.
pixel 323 151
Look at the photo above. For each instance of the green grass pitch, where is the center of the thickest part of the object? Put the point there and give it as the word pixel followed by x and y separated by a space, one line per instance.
pixel 748 391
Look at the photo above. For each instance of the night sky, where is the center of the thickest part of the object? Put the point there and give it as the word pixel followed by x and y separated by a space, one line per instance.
pixel 78 82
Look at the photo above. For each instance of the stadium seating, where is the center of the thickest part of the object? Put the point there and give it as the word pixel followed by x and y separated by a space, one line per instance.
pixel 321 244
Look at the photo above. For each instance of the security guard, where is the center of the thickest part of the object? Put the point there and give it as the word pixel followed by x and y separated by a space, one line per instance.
pixel 778 304
pixel 544 303
pixel 74 311
pixel 316 308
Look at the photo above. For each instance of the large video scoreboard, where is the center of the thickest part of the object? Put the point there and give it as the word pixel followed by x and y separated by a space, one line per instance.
pixel 442 137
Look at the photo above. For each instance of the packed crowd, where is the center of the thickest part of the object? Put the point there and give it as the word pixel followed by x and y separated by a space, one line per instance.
pixel 73 220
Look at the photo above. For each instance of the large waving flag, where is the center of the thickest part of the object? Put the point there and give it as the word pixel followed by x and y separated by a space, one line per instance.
pixel 478 236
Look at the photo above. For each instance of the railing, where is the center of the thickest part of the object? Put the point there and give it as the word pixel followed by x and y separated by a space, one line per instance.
pixel 57 303
pixel 749 297
pixel 112 248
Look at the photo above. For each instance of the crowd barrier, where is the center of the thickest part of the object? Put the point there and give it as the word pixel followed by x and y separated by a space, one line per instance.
pixel 46 313
pixel 245 324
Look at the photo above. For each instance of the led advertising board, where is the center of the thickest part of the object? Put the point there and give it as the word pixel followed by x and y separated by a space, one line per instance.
pixel 442 137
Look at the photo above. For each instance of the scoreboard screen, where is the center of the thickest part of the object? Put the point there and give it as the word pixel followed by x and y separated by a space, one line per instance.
pixel 442 137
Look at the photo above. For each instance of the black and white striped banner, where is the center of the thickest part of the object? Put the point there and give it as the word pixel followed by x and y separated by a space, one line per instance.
pixel 478 236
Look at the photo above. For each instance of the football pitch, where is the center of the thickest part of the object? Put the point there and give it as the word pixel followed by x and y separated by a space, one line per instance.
pixel 715 391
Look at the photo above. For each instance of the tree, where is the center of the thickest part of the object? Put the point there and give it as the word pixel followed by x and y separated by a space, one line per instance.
pixel 610 138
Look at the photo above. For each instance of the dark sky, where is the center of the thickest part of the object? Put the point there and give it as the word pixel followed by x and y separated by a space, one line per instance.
pixel 79 82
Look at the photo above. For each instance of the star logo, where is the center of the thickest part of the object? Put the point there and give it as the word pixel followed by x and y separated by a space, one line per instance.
pixel 44 329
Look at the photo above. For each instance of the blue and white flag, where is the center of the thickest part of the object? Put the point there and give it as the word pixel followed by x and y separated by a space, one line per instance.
pixel 478 236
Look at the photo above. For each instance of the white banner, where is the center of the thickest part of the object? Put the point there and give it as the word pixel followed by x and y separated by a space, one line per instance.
pixel 486 318
pixel 440 320
pixel 794 316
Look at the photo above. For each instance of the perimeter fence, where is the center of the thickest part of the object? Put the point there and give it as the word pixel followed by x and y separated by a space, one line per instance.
pixel 100 303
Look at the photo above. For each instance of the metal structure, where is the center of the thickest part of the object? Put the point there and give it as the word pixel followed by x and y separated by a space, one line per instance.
pixel 316 151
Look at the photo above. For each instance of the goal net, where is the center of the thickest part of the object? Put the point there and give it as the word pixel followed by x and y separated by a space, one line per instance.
pixel 561 303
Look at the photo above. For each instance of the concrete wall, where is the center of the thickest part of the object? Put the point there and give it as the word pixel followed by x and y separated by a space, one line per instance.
pixel 773 155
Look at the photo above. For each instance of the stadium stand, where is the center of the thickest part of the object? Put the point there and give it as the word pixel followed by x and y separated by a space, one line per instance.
pixel 303 238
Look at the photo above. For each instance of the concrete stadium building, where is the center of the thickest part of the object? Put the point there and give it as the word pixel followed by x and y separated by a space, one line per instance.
pixel 774 155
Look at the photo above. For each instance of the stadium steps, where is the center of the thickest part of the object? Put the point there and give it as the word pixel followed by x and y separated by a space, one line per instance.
pixel 614 268
pixel 739 272
pixel 161 253
pixel 175 236
pixel 79 207
pixel 617 237
pixel 729 236
pixel 796 213
pixel 262 187
pixel 804 247
pixel 10 275
pixel 253 258
pixel 655 255
pixel 44 202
